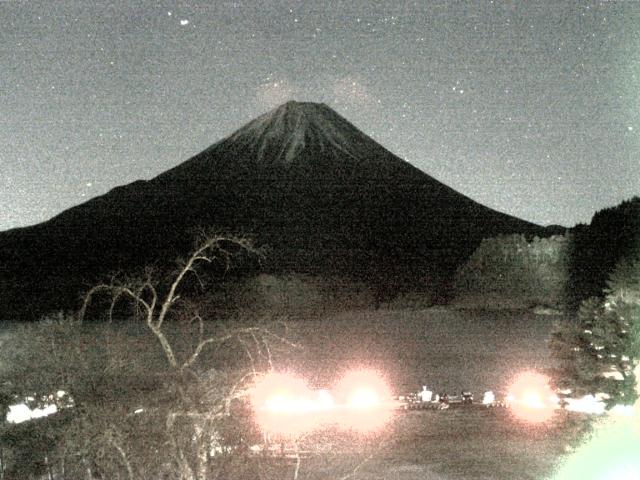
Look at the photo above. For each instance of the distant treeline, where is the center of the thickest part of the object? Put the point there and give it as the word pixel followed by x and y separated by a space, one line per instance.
pixel 612 235
pixel 562 270
pixel 509 268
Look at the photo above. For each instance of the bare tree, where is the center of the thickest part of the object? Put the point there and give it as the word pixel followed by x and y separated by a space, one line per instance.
pixel 162 396
pixel 192 422
pixel 143 411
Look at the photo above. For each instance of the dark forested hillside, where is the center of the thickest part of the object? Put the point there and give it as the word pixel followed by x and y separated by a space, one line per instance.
pixel 561 270
pixel 613 234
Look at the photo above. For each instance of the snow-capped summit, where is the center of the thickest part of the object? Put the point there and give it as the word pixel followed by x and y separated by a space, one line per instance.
pixel 282 133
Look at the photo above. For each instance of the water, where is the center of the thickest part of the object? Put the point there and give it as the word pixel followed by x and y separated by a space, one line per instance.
pixel 445 349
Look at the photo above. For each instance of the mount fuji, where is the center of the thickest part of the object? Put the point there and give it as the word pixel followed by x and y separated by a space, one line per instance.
pixel 300 179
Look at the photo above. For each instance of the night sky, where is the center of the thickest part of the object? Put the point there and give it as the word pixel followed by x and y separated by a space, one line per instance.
pixel 531 108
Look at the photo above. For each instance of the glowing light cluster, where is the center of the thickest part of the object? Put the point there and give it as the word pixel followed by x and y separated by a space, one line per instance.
pixel 285 405
pixel 531 398
pixel 363 389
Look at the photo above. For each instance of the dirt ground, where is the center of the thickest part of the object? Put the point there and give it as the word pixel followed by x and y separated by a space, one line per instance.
pixel 465 443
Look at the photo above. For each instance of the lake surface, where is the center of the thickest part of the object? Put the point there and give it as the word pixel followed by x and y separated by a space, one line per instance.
pixel 445 349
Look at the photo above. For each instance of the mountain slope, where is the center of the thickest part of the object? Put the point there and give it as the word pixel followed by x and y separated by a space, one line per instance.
pixel 301 179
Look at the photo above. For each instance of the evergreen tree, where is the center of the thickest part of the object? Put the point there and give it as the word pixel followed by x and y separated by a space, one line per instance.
pixel 613 234
pixel 511 267
pixel 599 352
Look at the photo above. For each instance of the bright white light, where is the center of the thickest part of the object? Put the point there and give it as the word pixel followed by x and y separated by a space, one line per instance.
pixel 363 398
pixel 533 400
pixel 285 406
pixel 21 412
pixel 283 403
pixel 586 404
pixel 488 398
pixel 363 389
pixel 18 413
pixel 425 395
pixel 324 400
pixel 184 22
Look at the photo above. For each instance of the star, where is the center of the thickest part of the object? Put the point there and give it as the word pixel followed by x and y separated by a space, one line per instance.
pixel 364 75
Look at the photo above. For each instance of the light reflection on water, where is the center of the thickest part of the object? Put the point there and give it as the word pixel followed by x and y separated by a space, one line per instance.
pixel 445 349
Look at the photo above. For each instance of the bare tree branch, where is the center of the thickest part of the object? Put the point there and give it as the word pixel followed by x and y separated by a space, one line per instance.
pixel 194 403
pixel 144 293
pixel 111 439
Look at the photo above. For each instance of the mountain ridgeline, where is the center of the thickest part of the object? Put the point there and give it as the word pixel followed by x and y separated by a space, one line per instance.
pixel 324 198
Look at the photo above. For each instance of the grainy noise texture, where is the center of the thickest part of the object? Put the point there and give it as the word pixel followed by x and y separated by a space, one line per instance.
pixel 529 108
